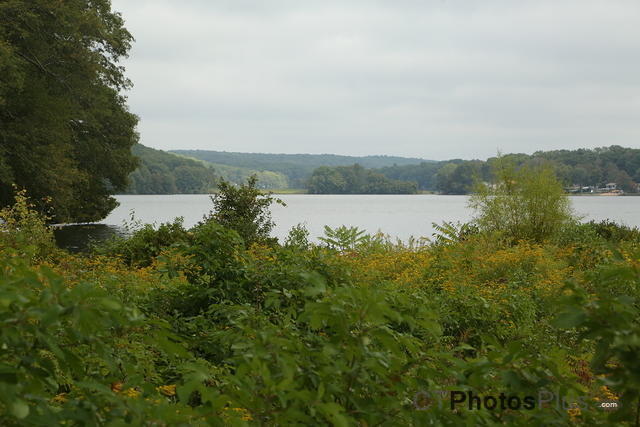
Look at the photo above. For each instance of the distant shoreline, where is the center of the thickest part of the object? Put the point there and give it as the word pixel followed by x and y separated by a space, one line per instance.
pixel 302 191
pixel 603 194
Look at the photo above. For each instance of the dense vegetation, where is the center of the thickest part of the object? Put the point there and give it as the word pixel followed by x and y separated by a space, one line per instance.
pixel 580 168
pixel 160 172
pixel 65 133
pixel 199 327
pixel 355 180
pixel 296 167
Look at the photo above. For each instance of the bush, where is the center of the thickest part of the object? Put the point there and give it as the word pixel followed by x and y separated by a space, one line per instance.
pixel 24 229
pixel 342 238
pixel 614 232
pixel 244 209
pixel 609 321
pixel 523 204
pixel 145 244
pixel 67 356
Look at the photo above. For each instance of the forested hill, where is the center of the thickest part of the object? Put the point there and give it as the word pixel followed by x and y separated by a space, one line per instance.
pixel 195 171
pixel 160 172
pixel 296 167
pixel 575 168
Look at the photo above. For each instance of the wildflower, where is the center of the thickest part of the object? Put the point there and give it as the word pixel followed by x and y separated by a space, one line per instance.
pixel 131 392
pixel 574 412
pixel 167 390
pixel 608 394
pixel 244 414
pixel 60 398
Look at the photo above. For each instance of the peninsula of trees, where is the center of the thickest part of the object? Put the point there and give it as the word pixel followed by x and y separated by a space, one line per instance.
pixel 575 168
pixel 355 180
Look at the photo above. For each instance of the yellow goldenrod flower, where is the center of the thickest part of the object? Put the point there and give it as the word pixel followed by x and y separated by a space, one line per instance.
pixel 167 390
pixel 131 392
pixel 60 398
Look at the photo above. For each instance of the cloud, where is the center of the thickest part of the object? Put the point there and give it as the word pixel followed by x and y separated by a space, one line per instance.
pixel 434 79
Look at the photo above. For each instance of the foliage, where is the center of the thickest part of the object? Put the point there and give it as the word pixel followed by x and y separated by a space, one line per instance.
pixel 342 238
pixel 523 204
pixel 614 232
pixel 458 178
pixel 355 180
pixel 58 363
pixel 197 328
pixel 244 209
pixel 582 168
pixel 610 319
pixel 24 230
pixel 448 232
pixel 66 130
pixel 143 245
pixel 215 252
pixel 298 237
pixel 159 172
pixel 296 168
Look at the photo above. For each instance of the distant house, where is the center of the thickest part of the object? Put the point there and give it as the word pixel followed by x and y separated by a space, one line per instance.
pixel 611 186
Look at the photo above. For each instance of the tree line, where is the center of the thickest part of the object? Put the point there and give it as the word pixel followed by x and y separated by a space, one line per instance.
pixel 355 179
pixel 297 168
pixel 581 168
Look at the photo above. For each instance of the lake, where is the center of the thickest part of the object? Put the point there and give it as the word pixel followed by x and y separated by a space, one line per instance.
pixel 399 216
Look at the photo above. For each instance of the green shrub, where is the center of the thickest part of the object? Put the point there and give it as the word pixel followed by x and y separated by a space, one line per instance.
pixel 609 322
pixel 145 244
pixel 244 209
pixel 449 232
pixel 216 267
pixel 522 204
pixel 342 238
pixel 347 354
pixel 25 230
pixel 614 232
pixel 298 238
pixel 63 348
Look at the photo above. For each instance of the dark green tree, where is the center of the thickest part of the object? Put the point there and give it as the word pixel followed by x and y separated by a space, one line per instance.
pixel 65 129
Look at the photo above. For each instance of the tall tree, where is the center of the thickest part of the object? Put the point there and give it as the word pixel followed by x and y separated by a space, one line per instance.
pixel 65 129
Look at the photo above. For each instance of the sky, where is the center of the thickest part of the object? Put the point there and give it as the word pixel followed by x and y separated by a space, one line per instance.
pixel 434 79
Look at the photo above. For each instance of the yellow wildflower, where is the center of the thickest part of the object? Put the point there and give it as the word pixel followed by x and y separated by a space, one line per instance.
pixel 244 414
pixel 167 390
pixel 574 412
pixel 60 398
pixel 131 392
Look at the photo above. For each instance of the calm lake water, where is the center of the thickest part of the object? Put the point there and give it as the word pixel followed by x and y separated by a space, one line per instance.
pixel 399 216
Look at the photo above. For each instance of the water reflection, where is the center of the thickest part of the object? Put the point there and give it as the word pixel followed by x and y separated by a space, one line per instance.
pixel 79 238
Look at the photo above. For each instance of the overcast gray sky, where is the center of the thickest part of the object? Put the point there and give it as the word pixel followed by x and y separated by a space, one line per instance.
pixel 433 79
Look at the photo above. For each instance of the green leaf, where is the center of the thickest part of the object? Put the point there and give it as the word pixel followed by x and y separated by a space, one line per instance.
pixel 569 319
pixel 335 413
pixel 19 409
pixel 110 304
